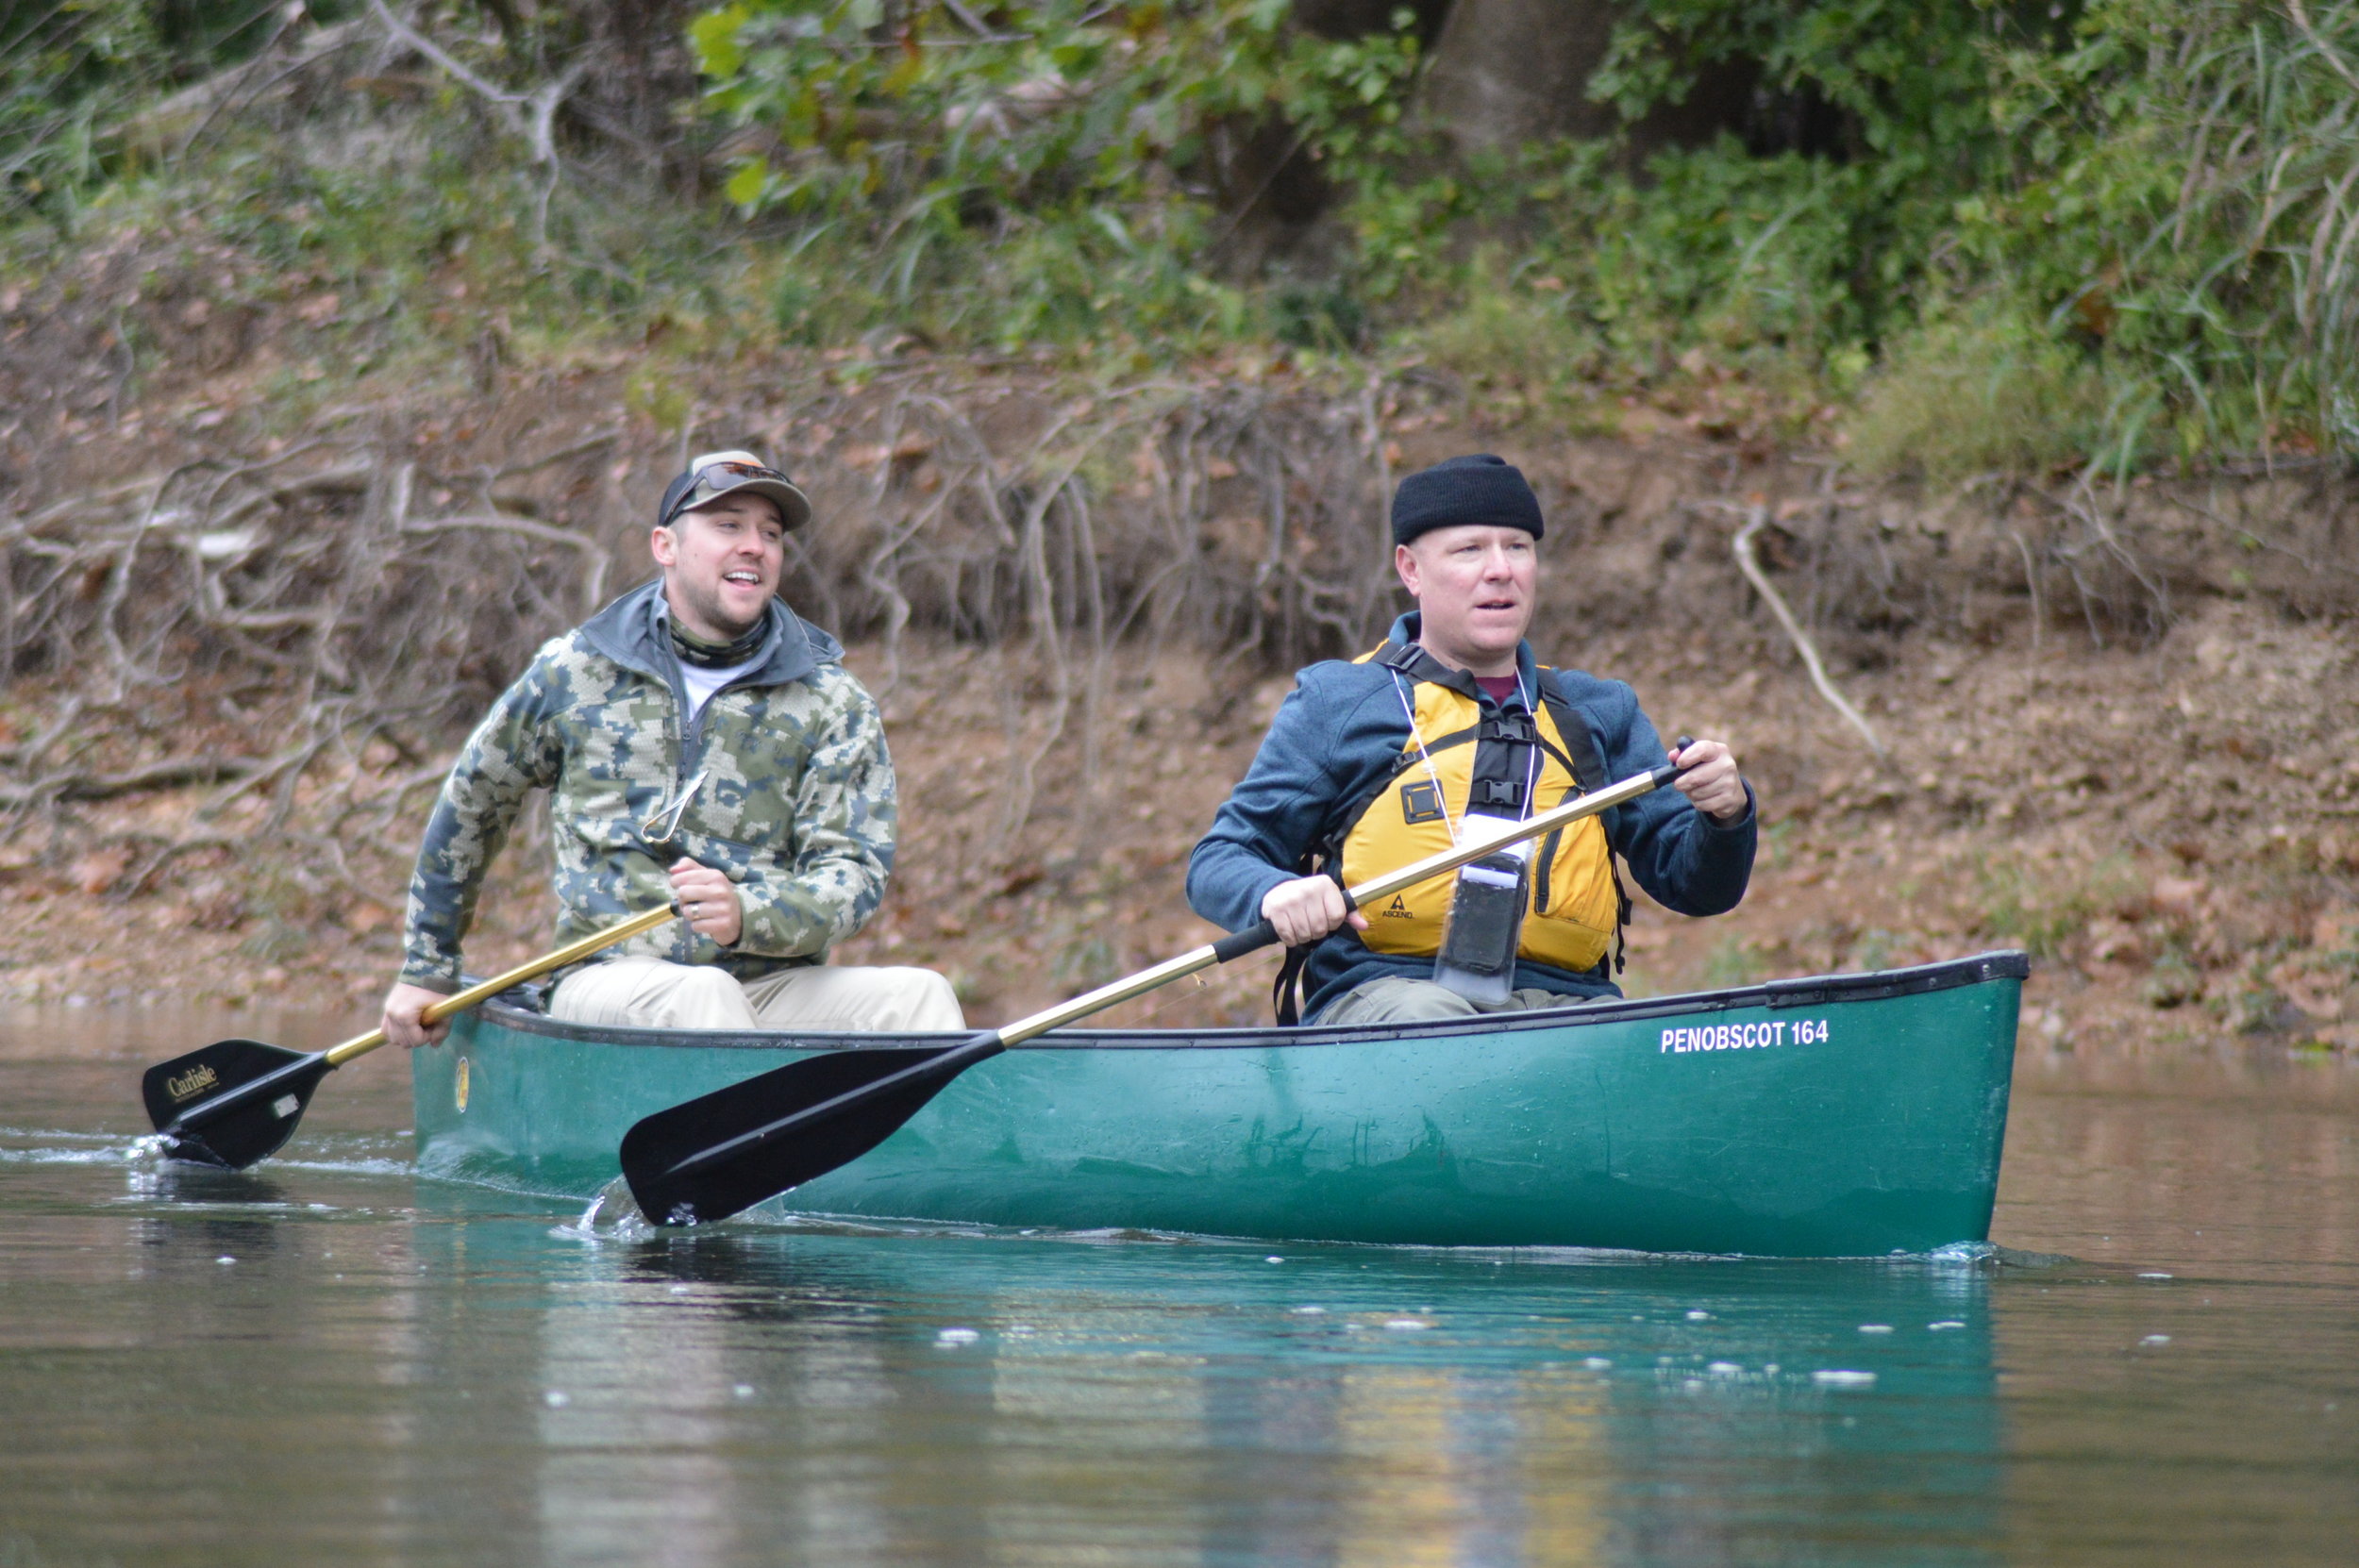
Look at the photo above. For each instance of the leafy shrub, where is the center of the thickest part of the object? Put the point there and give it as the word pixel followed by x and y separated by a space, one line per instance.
pixel 68 70
pixel 1510 330
pixel 57 65
pixel 1075 147
pixel 2183 196
pixel 2123 231
pixel 1980 391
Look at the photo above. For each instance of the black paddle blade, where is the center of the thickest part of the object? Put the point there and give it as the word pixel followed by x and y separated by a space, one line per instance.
pixel 708 1158
pixel 232 1103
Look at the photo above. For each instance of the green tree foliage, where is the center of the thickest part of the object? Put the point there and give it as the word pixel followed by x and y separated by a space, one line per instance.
pixel 1026 172
pixel 2166 265
pixel 2000 234
pixel 1812 220
pixel 56 62
pixel 69 67
pixel 2124 229
pixel 2184 199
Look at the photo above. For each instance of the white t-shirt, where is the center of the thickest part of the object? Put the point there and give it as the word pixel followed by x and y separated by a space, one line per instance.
pixel 702 680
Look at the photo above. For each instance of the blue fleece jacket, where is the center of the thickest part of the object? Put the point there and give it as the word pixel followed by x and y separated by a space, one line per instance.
pixel 1335 738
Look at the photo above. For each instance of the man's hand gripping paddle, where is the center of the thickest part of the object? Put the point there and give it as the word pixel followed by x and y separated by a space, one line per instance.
pixel 729 1150
pixel 236 1101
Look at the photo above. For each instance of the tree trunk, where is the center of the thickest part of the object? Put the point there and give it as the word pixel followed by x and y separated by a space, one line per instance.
pixel 1506 72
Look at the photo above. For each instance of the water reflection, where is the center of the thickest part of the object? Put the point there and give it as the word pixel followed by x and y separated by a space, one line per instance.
pixel 390 1371
pixel 629 1434
pixel 852 1399
pixel 2252 1165
pixel 190 1188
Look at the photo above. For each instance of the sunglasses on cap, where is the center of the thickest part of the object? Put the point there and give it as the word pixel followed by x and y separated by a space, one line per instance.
pixel 738 473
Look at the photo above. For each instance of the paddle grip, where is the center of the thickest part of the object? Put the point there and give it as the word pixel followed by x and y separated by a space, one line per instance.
pixel 1669 771
pixel 1252 938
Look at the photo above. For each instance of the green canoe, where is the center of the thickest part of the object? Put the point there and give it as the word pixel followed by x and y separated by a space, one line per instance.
pixel 1839 1115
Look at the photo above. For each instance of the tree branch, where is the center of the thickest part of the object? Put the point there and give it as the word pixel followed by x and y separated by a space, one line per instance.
pixel 167 774
pixel 1755 521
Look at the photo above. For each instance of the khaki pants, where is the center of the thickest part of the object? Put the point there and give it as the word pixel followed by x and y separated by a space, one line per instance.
pixel 653 995
pixel 1397 999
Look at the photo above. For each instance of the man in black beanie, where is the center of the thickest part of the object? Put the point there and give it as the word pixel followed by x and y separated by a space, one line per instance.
pixel 1374 762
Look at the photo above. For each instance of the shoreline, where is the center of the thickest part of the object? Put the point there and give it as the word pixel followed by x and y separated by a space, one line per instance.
pixel 2167 906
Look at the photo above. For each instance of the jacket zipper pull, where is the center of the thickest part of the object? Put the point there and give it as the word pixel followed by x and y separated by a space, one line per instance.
pixel 663 825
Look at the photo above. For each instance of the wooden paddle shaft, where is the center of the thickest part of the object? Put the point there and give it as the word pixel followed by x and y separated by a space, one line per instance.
pixel 1258 935
pixel 900 1089
pixel 572 952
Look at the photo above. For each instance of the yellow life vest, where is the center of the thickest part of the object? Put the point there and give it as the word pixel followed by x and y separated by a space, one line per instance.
pixel 1576 901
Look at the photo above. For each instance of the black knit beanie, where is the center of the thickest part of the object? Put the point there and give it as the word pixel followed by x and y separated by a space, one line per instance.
pixel 1481 489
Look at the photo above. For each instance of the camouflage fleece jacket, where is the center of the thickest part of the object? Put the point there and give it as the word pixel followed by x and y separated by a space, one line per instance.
pixel 797 807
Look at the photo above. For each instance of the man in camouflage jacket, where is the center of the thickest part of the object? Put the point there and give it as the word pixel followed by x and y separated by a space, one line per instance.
pixel 705 745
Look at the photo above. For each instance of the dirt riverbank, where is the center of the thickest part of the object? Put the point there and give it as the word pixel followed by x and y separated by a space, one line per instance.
pixel 2121 721
pixel 2172 830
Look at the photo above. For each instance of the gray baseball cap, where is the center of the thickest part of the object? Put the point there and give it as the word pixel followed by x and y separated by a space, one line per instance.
pixel 718 474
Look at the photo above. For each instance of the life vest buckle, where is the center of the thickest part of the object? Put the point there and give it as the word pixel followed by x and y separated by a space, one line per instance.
pixel 1499 792
pixel 1515 728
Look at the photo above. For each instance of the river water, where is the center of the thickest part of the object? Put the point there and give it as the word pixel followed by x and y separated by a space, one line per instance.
pixel 328 1359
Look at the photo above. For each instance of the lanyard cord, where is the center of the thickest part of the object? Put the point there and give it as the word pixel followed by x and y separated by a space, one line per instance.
pixel 1531 752
pixel 1441 794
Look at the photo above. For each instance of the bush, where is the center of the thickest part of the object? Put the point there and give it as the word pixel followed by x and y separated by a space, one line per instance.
pixel 2180 194
pixel 1981 390
pixel 1511 331
pixel 2122 232
pixel 1043 176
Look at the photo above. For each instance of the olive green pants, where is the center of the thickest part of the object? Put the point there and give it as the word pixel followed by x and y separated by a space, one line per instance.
pixel 650 993
pixel 1397 999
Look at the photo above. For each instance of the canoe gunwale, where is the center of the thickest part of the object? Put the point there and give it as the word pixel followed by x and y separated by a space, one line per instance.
pixel 1771 995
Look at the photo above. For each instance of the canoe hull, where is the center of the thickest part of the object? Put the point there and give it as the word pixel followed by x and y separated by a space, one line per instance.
pixel 1837 1116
